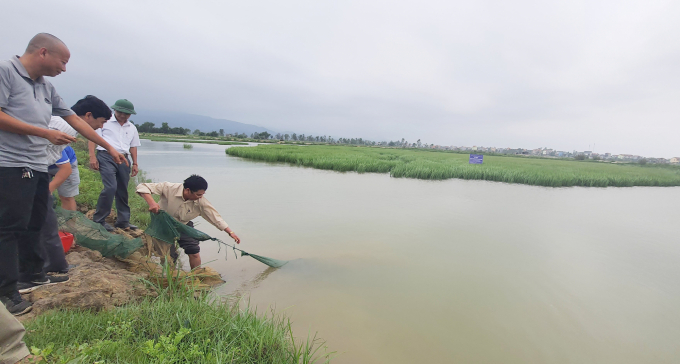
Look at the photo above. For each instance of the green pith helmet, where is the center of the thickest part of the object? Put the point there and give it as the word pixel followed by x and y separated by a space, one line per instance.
pixel 123 105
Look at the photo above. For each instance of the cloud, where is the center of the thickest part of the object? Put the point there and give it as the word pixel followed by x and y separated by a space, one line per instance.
pixel 522 74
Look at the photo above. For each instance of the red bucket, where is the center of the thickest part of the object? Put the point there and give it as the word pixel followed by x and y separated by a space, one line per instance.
pixel 66 240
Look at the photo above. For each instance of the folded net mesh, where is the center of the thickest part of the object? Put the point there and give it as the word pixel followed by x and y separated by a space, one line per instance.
pixel 93 235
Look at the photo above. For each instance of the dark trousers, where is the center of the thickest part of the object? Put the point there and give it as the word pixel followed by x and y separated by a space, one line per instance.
pixel 23 205
pixel 115 178
pixel 189 244
pixel 55 259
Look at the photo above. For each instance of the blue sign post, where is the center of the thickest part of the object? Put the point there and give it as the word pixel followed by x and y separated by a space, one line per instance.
pixel 476 159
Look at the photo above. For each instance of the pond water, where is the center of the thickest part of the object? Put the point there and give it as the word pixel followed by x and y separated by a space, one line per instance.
pixel 393 270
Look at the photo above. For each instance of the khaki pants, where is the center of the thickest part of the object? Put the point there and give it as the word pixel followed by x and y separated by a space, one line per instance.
pixel 12 348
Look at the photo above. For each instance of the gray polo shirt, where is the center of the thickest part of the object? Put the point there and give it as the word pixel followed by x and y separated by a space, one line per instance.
pixel 32 102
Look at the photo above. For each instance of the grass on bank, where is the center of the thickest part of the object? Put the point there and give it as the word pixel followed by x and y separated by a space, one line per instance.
pixel 175 327
pixel 438 165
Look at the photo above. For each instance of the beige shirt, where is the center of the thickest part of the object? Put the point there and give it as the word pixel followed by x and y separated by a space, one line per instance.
pixel 183 210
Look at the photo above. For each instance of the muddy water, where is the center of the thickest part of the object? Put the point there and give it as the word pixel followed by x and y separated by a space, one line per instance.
pixel 407 271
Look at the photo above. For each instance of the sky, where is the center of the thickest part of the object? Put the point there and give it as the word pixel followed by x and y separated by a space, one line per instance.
pixel 569 75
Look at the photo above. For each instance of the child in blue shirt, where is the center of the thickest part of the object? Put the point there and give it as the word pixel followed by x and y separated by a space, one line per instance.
pixel 66 178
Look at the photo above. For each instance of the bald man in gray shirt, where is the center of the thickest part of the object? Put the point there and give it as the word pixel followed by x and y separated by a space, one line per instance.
pixel 27 101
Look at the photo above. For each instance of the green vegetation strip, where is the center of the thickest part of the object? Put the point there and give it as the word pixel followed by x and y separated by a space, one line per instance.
pixel 436 165
pixel 174 330
pixel 175 327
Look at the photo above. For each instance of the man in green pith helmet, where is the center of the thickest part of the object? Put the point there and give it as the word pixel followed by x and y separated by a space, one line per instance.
pixel 123 136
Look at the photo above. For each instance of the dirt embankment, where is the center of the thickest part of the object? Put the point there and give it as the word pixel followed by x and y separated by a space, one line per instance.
pixel 101 283
pixel 95 283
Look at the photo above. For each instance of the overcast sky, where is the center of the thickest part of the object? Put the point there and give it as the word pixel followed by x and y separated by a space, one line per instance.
pixel 559 74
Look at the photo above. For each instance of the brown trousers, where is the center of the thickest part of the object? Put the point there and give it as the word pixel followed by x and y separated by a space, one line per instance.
pixel 12 347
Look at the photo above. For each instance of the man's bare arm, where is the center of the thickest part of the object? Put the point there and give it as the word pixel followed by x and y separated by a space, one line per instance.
pixel 86 130
pixel 64 171
pixel 135 166
pixel 12 125
pixel 94 164
pixel 153 205
pixel 233 235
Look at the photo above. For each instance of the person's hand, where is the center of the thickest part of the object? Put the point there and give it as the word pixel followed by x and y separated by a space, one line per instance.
pixel 52 188
pixel 118 157
pixel 135 170
pixel 235 237
pixel 94 164
pixel 57 137
pixel 154 207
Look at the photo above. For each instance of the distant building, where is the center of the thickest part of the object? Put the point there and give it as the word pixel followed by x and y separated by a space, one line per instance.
pixel 629 157
pixel 675 160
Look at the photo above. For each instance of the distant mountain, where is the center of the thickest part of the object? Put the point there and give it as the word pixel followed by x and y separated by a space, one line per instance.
pixel 191 121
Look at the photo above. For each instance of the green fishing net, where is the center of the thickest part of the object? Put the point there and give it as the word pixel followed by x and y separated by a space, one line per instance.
pixel 93 236
pixel 274 263
pixel 164 227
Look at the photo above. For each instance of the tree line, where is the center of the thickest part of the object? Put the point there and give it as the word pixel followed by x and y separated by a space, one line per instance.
pixel 149 127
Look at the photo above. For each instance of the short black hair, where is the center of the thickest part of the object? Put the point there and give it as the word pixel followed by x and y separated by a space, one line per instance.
pixel 92 104
pixel 196 183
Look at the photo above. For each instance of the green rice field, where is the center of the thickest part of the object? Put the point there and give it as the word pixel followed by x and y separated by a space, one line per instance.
pixel 438 165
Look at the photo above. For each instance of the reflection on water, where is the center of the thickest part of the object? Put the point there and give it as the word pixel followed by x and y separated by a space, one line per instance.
pixel 248 285
pixel 402 271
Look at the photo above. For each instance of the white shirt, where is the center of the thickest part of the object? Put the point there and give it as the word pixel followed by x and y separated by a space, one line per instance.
pixel 54 151
pixel 121 138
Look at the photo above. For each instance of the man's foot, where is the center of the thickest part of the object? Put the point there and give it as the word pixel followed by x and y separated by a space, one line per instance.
pixel 107 226
pixel 16 305
pixel 28 287
pixel 65 271
pixel 126 225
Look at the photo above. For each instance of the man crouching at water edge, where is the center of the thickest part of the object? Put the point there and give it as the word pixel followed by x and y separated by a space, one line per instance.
pixel 184 202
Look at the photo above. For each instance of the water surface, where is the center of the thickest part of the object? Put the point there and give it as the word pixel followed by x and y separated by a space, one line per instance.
pixel 393 270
